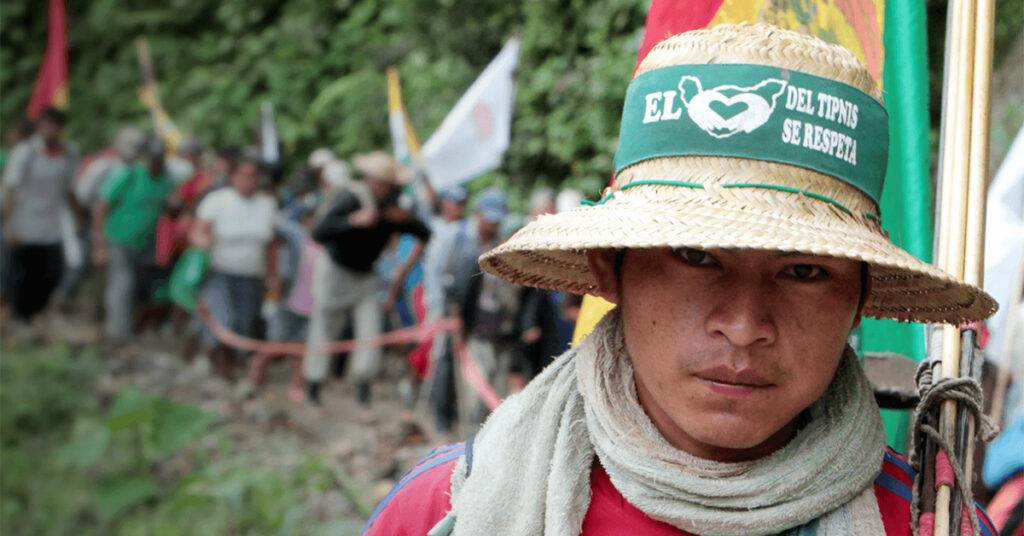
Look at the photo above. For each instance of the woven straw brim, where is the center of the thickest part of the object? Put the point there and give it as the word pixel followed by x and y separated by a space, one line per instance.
pixel 722 202
pixel 551 251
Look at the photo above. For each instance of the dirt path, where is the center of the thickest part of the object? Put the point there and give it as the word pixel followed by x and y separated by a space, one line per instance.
pixel 371 446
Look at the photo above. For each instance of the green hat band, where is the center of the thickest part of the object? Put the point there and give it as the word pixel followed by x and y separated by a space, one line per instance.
pixel 757 112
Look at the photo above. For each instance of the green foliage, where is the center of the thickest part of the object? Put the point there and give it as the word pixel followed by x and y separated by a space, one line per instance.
pixel 71 467
pixel 31 406
pixel 322 65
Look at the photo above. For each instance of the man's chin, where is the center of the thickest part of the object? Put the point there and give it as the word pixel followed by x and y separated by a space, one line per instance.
pixel 736 440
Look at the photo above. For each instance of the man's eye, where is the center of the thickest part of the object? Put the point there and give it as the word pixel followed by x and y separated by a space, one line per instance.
pixel 696 257
pixel 805 272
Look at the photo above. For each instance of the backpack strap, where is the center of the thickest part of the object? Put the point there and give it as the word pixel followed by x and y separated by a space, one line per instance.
pixel 446 525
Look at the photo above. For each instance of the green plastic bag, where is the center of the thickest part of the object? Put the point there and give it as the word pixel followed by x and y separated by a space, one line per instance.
pixel 188 275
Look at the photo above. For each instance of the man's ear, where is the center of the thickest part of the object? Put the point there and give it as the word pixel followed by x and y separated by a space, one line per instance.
pixel 607 280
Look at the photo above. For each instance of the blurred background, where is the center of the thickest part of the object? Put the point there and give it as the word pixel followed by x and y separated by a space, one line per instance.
pixel 194 191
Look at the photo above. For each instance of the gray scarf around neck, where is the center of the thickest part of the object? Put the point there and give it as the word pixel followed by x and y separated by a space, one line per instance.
pixel 532 459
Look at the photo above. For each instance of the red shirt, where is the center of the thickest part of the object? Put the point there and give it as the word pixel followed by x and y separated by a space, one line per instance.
pixel 194 187
pixel 421 499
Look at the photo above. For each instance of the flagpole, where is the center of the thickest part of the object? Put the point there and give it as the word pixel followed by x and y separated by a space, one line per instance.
pixel 963 178
pixel 148 78
pixel 974 268
pixel 954 225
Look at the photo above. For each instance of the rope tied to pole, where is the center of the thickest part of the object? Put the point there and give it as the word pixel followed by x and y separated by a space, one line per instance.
pixel 968 393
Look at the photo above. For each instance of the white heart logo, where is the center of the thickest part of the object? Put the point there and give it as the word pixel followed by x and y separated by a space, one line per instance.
pixel 755 100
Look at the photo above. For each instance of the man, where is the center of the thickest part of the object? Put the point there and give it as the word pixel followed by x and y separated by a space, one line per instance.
pixel 19 132
pixel 720 396
pixel 123 227
pixel 446 227
pixel 486 304
pixel 354 231
pixel 37 184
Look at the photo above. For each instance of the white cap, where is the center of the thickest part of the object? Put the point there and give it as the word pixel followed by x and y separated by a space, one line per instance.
pixel 337 174
pixel 127 142
pixel 320 158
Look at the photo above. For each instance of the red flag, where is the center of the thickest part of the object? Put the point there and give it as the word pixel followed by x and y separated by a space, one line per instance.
pixel 52 82
pixel 669 17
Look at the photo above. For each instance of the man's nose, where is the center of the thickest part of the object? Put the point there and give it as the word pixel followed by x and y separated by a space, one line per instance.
pixel 743 314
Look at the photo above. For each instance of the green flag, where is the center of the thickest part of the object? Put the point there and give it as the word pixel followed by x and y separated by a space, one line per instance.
pixel 907 198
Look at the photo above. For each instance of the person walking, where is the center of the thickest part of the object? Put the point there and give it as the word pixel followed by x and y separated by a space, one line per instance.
pixel 446 226
pixel 354 231
pixel 38 185
pixel 236 225
pixel 487 305
pixel 123 232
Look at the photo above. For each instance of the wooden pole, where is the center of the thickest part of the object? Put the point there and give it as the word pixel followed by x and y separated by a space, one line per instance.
pixel 977 179
pixel 955 189
pixel 149 84
pixel 981 96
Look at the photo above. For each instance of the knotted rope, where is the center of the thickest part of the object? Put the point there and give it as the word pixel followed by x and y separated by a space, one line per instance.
pixel 967 392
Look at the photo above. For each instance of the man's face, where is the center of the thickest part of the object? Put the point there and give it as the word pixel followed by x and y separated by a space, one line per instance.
pixel 382 190
pixel 488 229
pixel 155 165
pixel 50 130
pixel 452 210
pixel 730 346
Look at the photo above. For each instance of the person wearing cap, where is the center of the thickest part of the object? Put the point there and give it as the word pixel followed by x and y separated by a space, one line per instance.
pixel 37 186
pixel 487 305
pixel 446 226
pixel 123 230
pixel 741 243
pixel 354 231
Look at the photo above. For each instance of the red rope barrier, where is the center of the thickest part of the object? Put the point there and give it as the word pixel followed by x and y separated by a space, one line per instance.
pixel 470 371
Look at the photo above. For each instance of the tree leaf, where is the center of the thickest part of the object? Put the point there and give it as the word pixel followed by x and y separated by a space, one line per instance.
pixel 131 408
pixel 87 450
pixel 119 494
pixel 176 424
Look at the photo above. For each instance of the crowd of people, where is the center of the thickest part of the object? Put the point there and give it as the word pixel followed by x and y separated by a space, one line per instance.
pixel 334 251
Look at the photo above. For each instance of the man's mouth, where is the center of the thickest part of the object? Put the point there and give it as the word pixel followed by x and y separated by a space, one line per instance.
pixel 733 383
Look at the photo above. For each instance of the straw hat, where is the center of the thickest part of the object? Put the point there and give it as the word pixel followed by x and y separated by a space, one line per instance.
pixel 381 166
pixel 695 200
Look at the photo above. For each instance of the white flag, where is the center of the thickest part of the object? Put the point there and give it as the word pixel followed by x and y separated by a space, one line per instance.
pixel 268 134
pixel 473 138
pixel 1004 239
